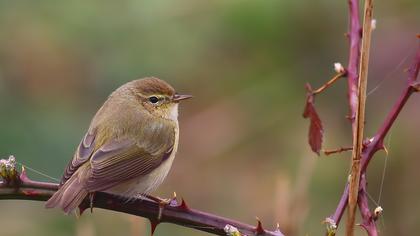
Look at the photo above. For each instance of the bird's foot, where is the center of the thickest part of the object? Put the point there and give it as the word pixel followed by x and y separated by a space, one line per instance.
pixel 91 198
pixel 162 203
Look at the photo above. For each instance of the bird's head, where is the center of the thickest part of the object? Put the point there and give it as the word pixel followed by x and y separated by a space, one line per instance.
pixel 158 97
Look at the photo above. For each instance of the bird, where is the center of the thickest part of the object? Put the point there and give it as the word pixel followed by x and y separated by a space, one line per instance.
pixel 128 148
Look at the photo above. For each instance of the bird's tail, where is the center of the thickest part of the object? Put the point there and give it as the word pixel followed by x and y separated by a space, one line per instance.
pixel 69 196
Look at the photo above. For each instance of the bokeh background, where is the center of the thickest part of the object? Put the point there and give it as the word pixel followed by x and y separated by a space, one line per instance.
pixel 243 149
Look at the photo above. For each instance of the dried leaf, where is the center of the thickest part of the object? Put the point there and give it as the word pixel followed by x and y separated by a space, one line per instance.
pixel 315 129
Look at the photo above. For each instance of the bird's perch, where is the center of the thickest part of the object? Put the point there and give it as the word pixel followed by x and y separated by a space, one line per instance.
pixel 15 185
pixel 363 150
pixel 359 121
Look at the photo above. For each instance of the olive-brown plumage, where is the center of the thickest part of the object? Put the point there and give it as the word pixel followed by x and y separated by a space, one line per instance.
pixel 129 146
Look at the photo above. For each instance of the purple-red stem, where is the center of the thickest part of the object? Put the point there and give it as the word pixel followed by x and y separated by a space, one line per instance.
pixel 176 213
pixel 354 35
pixel 376 143
pixel 368 220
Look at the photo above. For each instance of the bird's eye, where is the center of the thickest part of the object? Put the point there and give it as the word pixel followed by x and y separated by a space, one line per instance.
pixel 153 99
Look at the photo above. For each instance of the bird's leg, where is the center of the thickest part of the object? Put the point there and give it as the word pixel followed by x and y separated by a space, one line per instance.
pixel 91 197
pixel 162 203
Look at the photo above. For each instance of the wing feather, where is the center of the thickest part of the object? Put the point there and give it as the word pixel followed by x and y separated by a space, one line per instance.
pixel 81 156
pixel 119 161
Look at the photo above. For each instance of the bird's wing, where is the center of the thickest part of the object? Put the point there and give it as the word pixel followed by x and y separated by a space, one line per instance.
pixel 82 155
pixel 118 161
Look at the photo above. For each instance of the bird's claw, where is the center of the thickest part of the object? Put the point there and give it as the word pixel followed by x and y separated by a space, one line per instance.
pixel 91 197
pixel 162 203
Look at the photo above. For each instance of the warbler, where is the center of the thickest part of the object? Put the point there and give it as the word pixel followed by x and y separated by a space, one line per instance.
pixel 129 147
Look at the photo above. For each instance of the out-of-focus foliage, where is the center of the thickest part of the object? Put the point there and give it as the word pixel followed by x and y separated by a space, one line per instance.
pixel 243 150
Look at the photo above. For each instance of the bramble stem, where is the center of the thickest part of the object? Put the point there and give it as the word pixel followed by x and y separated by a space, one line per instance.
pixel 176 213
pixel 358 128
pixel 376 143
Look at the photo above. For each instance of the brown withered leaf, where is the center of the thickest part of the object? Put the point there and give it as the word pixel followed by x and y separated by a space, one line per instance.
pixel 316 130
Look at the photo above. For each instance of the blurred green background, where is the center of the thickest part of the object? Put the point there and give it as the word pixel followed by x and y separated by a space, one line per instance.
pixel 243 149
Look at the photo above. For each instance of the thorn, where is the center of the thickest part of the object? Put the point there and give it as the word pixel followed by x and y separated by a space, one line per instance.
pixel 153 226
pixel 415 86
pixel 385 149
pixel 183 205
pixel 259 229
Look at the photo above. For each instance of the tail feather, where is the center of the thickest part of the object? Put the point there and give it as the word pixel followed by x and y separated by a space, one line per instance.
pixel 69 196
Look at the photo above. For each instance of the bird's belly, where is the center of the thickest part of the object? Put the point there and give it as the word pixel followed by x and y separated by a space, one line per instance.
pixel 146 183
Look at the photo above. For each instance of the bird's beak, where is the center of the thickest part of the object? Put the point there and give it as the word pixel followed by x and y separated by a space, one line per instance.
pixel 179 97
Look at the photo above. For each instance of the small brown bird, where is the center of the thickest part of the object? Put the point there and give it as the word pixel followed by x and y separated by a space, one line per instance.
pixel 129 147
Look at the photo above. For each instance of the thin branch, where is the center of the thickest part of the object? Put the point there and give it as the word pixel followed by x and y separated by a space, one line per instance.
pixel 338 150
pixel 19 186
pixel 358 133
pixel 355 37
pixel 368 218
pixel 354 57
pixel 376 143
pixel 329 83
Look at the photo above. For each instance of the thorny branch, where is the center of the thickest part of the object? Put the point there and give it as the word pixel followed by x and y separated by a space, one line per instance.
pixel 359 121
pixel 354 57
pixel 369 146
pixel 355 37
pixel 376 142
pixel 15 185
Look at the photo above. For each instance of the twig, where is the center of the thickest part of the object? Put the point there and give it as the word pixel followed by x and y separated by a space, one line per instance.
pixel 338 150
pixel 368 218
pixel 329 83
pixel 354 57
pixel 21 187
pixel 358 132
pixel 376 142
